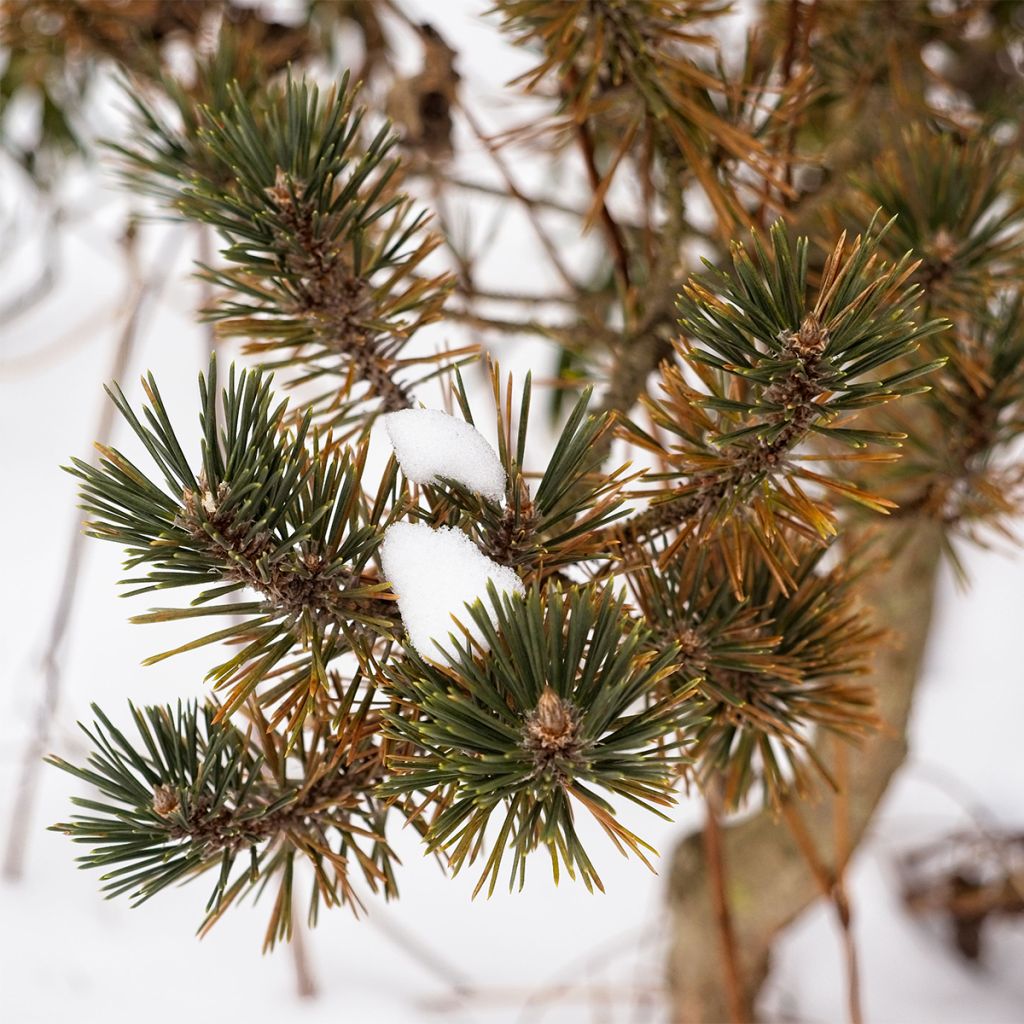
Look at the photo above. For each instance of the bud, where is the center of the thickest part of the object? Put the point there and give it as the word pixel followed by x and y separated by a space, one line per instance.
pixel 165 801
pixel 552 725
pixel 810 341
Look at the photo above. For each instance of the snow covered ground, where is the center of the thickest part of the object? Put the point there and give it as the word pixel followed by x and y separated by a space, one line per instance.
pixel 543 955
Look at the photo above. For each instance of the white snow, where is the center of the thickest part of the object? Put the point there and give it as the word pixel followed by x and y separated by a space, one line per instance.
pixel 435 574
pixel 430 445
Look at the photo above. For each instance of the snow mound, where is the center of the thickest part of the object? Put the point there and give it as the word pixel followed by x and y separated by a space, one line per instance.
pixel 430 444
pixel 435 574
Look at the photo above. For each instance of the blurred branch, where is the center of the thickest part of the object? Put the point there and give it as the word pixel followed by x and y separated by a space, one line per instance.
pixel 144 292
pixel 615 240
pixel 712 834
pixel 42 284
pixel 528 205
pixel 768 881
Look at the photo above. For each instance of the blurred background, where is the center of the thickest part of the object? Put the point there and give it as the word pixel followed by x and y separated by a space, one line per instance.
pixel 94 286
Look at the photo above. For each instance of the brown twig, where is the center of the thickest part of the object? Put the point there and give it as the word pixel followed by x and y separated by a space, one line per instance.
pixel 528 204
pixel 305 980
pixel 833 888
pixel 800 26
pixel 723 916
pixel 423 953
pixel 611 228
pixel 840 896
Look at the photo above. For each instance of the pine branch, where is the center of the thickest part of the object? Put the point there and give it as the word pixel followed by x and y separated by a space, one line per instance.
pixel 775 362
pixel 562 703
pixel 774 668
pixel 263 513
pixel 323 254
pixel 954 204
pixel 557 524
pixel 201 795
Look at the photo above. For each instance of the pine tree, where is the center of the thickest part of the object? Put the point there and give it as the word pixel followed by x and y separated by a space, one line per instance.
pixel 687 592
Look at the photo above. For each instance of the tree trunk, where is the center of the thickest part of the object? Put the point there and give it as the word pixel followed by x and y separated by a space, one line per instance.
pixel 768 880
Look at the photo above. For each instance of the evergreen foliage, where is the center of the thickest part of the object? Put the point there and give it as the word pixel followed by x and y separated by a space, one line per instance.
pixel 850 351
pixel 201 795
pixel 263 512
pixel 549 715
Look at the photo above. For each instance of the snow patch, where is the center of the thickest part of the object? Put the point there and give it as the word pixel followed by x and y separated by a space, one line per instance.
pixel 435 574
pixel 430 444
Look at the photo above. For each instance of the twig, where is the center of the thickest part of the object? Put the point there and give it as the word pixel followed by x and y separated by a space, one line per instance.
pixel 305 981
pixel 17 833
pixel 538 202
pixel 834 889
pixel 461 987
pixel 464 279
pixel 508 326
pixel 723 915
pixel 562 988
pixel 528 298
pixel 60 347
pixel 531 208
pixel 615 239
pixel 840 896
pixel 41 286
pixel 497 159
pixel 804 21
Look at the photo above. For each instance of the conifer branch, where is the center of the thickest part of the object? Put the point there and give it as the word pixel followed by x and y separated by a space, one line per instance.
pixel 775 362
pixel 262 512
pixel 203 796
pixel 539 720
pixel 323 253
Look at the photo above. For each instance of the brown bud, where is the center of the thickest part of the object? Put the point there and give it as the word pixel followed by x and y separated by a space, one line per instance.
pixel 811 339
pixel 279 193
pixel 552 725
pixel 552 714
pixel 944 246
pixel 689 641
pixel 165 801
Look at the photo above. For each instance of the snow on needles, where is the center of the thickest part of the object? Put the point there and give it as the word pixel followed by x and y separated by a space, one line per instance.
pixel 430 444
pixel 435 574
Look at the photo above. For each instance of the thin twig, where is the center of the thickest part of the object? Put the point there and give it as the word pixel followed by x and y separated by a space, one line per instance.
pixel 464 279
pixel 305 981
pixel 723 915
pixel 145 292
pixel 466 316
pixel 840 896
pixel 538 202
pixel 804 20
pixel 528 205
pixel 834 890
pixel 41 286
pixel 528 298
pixel 611 227
pixel 573 977
pixel 424 954
pixel 61 346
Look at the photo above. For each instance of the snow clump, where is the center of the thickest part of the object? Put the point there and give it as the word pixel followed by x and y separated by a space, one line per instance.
pixel 430 444
pixel 435 574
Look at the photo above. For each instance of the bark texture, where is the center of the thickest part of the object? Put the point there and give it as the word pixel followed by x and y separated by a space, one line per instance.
pixel 768 880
